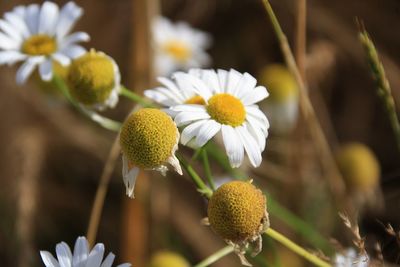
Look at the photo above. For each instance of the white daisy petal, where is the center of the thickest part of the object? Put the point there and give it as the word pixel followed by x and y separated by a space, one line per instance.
pixel 258 135
pixel 27 68
pixel 223 77
pixel 172 87
pixel 245 86
pixel 210 78
pixel 73 51
pixel 189 107
pixel 129 177
pixel 81 251
pixel 233 146
pixel 159 97
pixel 191 131
pixel 95 256
pixel 7 43
pixel 257 113
pixel 124 265
pixel 193 83
pixel 76 37
pixel 48 259
pixel 48 18
pixel 258 124
pixel 10 57
pixel 108 261
pixel 10 31
pixel 232 81
pixel 32 18
pixel 64 254
pixel 46 70
pixel 62 59
pixel 17 22
pixel 207 131
pixel 186 117
pixel 259 93
pixel 69 14
pixel 250 145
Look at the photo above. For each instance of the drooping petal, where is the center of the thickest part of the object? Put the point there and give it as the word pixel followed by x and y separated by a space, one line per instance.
pixel 129 176
pixel 233 146
pixel 250 145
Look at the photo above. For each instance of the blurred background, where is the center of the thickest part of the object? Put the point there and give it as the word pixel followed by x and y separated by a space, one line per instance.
pixel 52 157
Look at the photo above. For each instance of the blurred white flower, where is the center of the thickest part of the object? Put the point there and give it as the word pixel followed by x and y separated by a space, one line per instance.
pixel 178 47
pixel 349 258
pixel 81 257
pixel 38 35
pixel 230 107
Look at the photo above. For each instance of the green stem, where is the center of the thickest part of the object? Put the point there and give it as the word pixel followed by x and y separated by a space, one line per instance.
pixel 296 248
pixel 135 97
pixel 207 169
pixel 216 256
pixel 201 186
pixel 94 116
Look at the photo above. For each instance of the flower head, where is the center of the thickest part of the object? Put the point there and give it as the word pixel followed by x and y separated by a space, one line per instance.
pixel 230 108
pixel 178 46
pixel 359 167
pixel 168 258
pixel 349 258
pixel 282 104
pixel 40 35
pixel 94 80
pixel 237 211
pixel 148 139
pixel 81 256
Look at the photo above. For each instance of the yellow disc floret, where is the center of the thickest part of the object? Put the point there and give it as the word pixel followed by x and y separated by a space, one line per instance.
pixel 148 137
pixel 91 78
pixel 280 83
pixel 237 210
pixel 178 50
pixel 40 44
pixel 359 166
pixel 195 100
pixel 226 109
pixel 168 259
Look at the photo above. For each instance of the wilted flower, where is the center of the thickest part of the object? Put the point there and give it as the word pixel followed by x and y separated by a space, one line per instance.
pixel 178 46
pixel 81 256
pixel 94 80
pixel 149 139
pixel 230 108
pixel 38 35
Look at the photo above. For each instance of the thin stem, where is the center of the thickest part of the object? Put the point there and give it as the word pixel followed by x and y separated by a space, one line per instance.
pixel 300 45
pixel 94 116
pixel 101 192
pixel 201 186
pixel 334 177
pixel 135 97
pixel 216 256
pixel 207 168
pixel 296 248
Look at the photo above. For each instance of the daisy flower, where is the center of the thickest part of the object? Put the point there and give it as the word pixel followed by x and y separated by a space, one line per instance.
pixel 178 46
pixel 80 257
pixel 149 139
pixel 230 107
pixel 38 35
pixel 94 80
pixel 350 259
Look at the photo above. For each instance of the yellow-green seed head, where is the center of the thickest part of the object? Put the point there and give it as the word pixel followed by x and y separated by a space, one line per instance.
pixel 91 78
pixel 148 138
pixel 280 83
pixel 237 210
pixel 359 166
pixel 167 259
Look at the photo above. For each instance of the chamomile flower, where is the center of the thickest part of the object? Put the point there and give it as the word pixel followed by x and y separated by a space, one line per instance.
pixel 148 139
pixel 230 107
pixel 349 258
pixel 39 35
pixel 282 105
pixel 81 256
pixel 94 80
pixel 178 46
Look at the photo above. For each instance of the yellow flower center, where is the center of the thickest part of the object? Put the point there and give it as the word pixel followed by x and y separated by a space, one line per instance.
pixel 91 78
pixel 237 210
pixel 226 109
pixel 195 100
pixel 39 44
pixel 177 49
pixel 167 258
pixel 148 137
